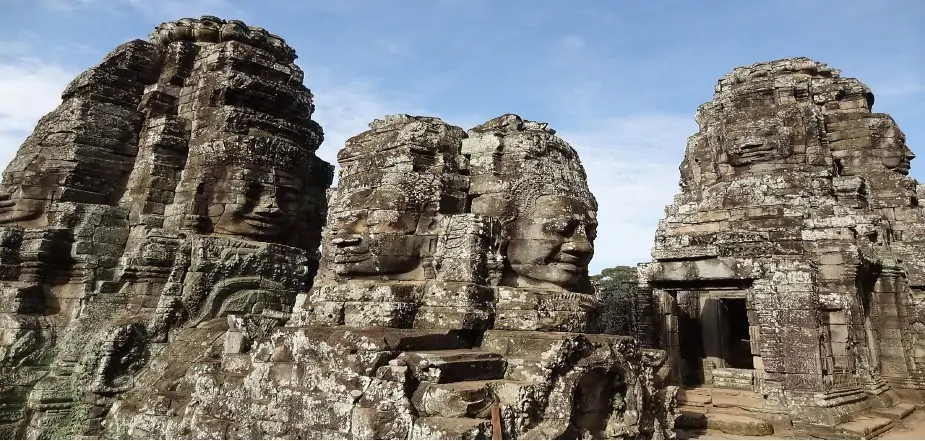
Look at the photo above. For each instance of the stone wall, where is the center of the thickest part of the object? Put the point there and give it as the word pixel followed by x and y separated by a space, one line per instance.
pixel 794 199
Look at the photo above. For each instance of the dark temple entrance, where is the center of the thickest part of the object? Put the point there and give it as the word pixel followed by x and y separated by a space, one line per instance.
pixel 714 336
pixel 736 346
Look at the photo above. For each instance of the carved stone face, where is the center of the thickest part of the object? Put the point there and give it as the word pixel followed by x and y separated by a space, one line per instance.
pixel 25 203
pixel 21 205
pixel 552 244
pixel 266 210
pixel 891 147
pixel 748 143
pixel 375 235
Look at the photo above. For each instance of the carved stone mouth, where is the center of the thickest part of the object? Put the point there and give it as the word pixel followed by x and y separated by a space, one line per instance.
pixel 571 267
pixel 569 262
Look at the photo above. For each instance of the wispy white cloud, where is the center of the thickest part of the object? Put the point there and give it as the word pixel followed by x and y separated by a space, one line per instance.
pixel 29 88
pixel 68 5
pixel 632 165
pixel 394 47
pixel 901 87
pixel 10 48
pixel 344 107
pixel 572 42
pixel 568 52
pixel 172 9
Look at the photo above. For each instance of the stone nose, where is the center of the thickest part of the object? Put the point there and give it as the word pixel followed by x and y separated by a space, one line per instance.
pixel 578 244
pixel 267 205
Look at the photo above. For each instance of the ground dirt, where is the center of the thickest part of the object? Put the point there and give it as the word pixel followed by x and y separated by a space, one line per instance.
pixel 912 428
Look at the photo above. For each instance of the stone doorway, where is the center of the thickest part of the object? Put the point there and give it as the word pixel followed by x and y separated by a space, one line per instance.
pixel 715 338
pixel 726 340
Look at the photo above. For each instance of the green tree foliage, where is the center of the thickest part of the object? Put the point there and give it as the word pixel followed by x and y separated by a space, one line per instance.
pixel 617 288
pixel 614 276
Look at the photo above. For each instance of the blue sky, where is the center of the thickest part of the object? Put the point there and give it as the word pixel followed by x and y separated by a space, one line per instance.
pixel 620 80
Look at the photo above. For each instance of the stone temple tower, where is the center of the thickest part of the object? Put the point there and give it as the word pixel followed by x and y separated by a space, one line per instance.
pixel 160 271
pixel 451 302
pixel 790 262
pixel 176 185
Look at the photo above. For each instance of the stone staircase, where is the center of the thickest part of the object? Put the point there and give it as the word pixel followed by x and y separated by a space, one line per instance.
pixel 726 410
pixel 744 413
pixel 457 390
pixel 882 420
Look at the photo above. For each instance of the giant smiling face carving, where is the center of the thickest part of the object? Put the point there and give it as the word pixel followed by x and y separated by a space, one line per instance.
pixel 552 244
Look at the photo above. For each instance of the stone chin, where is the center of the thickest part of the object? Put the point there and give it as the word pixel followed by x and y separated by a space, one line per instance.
pixel 562 274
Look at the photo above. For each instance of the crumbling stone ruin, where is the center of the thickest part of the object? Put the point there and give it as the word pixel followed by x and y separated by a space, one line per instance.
pixel 176 183
pixel 162 278
pixel 437 301
pixel 788 272
pixel 174 264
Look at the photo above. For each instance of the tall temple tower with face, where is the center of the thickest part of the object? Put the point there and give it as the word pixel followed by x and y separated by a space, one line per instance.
pixel 789 262
pixel 176 185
